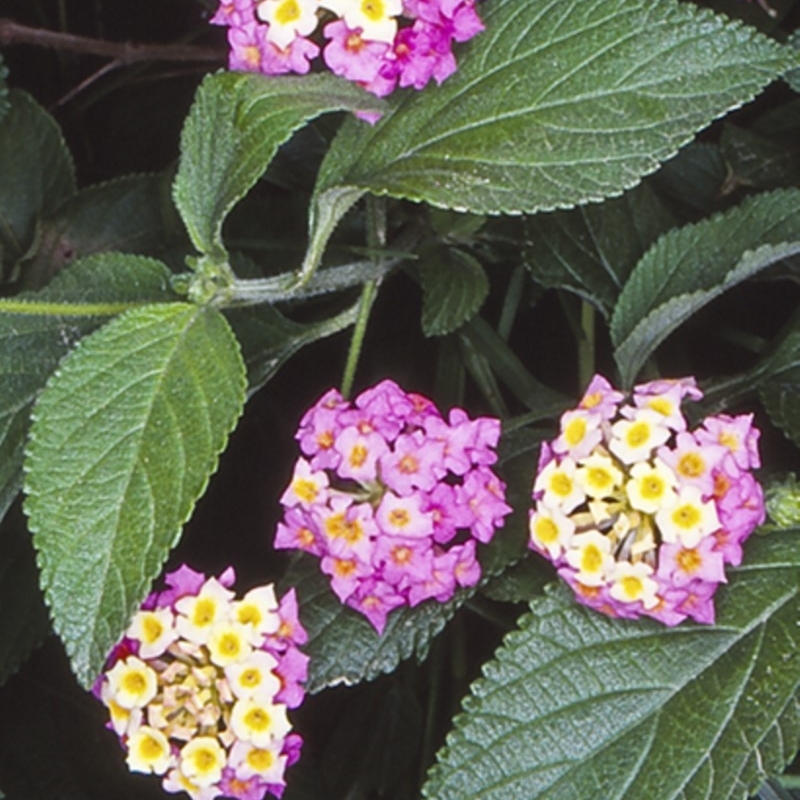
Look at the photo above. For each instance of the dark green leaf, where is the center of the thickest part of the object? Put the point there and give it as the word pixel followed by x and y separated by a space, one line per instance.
pixel 689 267
pixel 38 328
pixel 23 616
pixel 454 287
pixel 695 177
pixel 124 439
pixel 233 130
pixel 268 339
pixel 558 102
pixel 578 705
pixel 591 250
pixel 758 161
pixel 510 370
pixel 37 171
pixel 343 646
pixel 127 215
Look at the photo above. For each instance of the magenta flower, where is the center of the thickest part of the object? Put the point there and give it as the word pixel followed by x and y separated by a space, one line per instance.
pixel 393 498
pixel 640 515
pixel 406 44
pixel 198 688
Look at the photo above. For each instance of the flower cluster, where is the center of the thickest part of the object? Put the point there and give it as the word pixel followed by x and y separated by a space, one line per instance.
pixel 392 497
pixel 639 514
pixel 198 688
pixel 380 44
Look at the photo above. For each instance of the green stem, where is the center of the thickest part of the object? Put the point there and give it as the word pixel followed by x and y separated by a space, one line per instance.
pixel 368 294
pixel 586 344
pixel 376 238
pixel 51 309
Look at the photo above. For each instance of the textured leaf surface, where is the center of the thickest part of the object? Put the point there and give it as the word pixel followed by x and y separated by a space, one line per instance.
pixel 123 441
pixel 37 173
pixel 4 104
pixel 23 616
pixel 233 130
pixel 689 267
pixel 454 287
pixel 578 705
pixel 126 215
pixel 32 344
pixel 591 250
pixel 558 102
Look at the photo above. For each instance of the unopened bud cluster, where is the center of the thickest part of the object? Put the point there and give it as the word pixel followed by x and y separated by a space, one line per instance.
pixel 198 688
pixel 393 498
pixel 639 514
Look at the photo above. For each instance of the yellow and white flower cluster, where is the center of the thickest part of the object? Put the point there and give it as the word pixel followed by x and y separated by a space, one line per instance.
pixel 198 689
pixel 639 514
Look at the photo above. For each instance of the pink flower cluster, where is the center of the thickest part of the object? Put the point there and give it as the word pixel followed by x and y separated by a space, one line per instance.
pixel 639 514
pixel 392 497
pixel 379 44
pixel 198 688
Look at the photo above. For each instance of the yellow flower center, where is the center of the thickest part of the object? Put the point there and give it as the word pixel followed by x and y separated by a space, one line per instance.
pixel 638 434
pixel 689 560
pixel 373 9
pixel 289 11
pixel 575 431
pixel 257 719
pixel 686 516
pixel 691 465
pixel 306 490
pixel 592 558
pixel 561 484
pixel 546 530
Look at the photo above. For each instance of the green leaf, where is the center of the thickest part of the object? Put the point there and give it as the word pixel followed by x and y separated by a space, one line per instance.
pixel 268 339
pixel 37 171
pixel 758 161
pixel 780 393
pixel 591 250
pixel 234 128
pixel 689 267
pixel 695 177
pixel 38 328
pixel 557 103
pixel 127 215
pixel 124 439
pixel 343 646
pixel 23 616
pixel 454 287
pixel 578 705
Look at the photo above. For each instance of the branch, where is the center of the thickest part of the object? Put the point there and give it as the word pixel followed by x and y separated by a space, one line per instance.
pixel 122 53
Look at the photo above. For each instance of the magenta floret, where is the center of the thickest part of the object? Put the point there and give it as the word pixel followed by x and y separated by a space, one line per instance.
pixel 379 45
pixel 199 686
pixel 392 498
pixel 639 514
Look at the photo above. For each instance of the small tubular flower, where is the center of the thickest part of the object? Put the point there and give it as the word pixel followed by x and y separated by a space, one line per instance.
pixel 198 688
pixel 379 44
pixel 398 510
pixel 639 514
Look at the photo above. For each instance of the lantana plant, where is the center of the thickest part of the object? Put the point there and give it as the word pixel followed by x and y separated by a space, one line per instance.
pixel 640 514
pixel 393 498
pixel 485 202
pixel 199 687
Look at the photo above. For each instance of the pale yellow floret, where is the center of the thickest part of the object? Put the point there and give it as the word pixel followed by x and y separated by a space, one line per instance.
pixel 254 676
pixel 550 530
pixel 154 630
pixel 148 751
pixel 598 476
pixel 132 683
pixel 259 721
pixel 376 18
pixel 202 761
pixel 558 486
pixel 634 439
pixel 689 519
pixel 651 486
pixel 258 608
pixel 229 642
pixel 198 614
pixel 288 19
pixel 632 583
pixel 590 554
